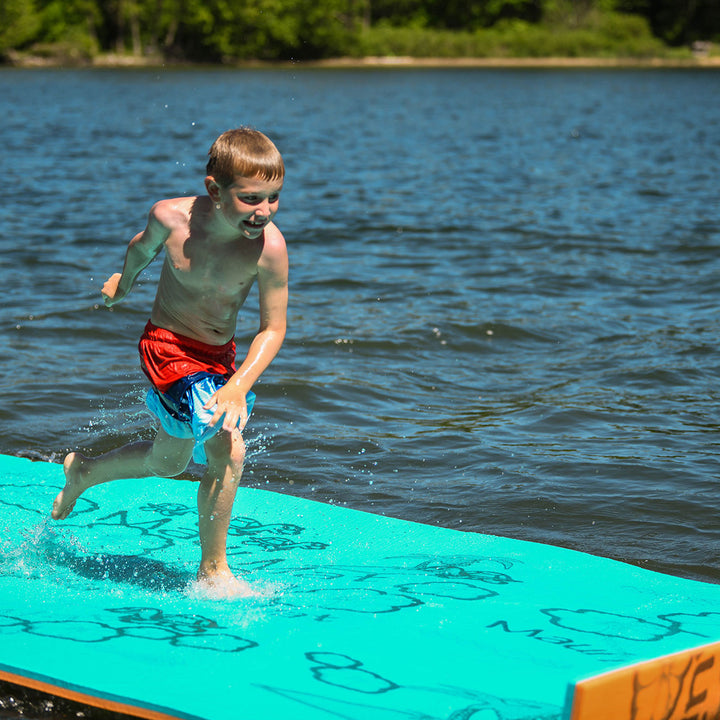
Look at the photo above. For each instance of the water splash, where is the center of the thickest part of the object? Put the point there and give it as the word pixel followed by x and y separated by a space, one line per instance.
pixel 41 550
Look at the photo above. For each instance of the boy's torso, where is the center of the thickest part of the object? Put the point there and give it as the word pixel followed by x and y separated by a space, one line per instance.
pixel 204 280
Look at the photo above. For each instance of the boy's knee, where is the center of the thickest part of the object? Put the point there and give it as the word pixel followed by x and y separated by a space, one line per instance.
pixel 237 451
pixel 167 465
pixel 228 450
pixel 169 455
pixel 236 458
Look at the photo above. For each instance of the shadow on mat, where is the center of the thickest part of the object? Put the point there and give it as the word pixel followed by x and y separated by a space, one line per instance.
pixel 129 569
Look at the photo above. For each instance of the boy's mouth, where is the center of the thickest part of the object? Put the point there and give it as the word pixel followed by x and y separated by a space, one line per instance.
pixel 254 225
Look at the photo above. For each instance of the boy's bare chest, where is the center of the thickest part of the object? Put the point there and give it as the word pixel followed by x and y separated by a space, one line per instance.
pixel 200 266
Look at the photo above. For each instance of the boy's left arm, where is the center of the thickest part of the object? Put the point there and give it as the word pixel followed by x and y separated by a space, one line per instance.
pixel 272 281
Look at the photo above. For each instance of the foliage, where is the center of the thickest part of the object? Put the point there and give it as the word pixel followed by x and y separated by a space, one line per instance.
pixel 19 22
pixel 237 30
pixel 611 35
pixel 678 22
pixel 464 15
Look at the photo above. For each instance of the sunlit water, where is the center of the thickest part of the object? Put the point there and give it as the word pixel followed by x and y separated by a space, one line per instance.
pixel 503 312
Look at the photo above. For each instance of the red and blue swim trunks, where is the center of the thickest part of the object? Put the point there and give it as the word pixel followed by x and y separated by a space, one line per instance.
pixel 166 357
pixel 185 373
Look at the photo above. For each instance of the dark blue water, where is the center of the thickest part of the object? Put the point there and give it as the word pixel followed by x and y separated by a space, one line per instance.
pixel 504 289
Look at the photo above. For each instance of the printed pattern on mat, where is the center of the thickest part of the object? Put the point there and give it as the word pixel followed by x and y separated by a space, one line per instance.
pixel 147 554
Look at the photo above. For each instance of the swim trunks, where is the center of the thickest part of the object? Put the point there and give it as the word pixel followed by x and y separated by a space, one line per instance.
pixel 166 357
pixel 178 400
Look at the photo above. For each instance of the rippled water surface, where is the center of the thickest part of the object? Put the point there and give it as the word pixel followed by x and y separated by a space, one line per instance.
pixel 504 289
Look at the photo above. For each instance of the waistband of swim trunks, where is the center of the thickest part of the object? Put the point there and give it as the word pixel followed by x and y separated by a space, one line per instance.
pixel 160 334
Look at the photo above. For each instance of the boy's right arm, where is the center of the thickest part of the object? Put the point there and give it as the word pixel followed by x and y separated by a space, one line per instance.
pixel 142 250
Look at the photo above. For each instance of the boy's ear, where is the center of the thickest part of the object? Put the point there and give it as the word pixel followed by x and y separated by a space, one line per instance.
pixel 213 189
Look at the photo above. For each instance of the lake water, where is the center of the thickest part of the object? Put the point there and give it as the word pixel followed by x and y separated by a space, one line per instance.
pixel 504 289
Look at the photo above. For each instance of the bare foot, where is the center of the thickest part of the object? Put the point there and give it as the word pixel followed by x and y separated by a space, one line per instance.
pixel 74 486
pixel 223 585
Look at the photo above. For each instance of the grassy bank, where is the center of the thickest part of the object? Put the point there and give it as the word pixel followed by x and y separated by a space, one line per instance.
pixel 610 36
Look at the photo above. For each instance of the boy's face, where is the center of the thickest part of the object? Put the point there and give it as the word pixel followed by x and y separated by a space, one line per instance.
pixel 249 204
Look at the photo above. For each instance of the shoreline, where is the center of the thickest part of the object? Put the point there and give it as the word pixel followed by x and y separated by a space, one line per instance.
pixel 527 62
pixel 113 61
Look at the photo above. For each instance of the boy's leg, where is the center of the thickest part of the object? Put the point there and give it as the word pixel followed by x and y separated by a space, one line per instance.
pixel 165 456
pixel 226 454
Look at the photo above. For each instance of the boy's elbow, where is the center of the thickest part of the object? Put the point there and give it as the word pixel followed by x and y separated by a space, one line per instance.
pixel 279 333
pixel 276 332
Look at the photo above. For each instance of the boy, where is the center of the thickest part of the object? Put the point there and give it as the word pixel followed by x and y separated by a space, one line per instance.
pixel 216 246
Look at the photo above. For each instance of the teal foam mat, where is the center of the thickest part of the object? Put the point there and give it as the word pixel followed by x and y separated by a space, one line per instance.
pixel 356 616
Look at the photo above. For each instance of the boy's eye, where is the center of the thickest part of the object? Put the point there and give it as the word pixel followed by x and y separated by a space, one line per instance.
pixel 256 200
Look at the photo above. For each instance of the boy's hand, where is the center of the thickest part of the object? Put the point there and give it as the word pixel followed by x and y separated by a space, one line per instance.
pixel 110 288
pixel 230 401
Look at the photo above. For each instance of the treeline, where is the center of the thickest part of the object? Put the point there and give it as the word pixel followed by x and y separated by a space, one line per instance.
pixel 236 30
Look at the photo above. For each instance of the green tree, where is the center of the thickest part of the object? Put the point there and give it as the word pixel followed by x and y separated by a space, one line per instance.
pixel 678 22
pixel 215 30
pixel 70 22
pixel 19 23
pixel 453 14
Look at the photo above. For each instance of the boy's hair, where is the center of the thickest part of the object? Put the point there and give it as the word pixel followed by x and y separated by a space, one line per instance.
pixel 244 152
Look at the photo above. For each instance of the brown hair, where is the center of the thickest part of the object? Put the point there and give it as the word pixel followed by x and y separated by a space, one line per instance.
pixel 244 152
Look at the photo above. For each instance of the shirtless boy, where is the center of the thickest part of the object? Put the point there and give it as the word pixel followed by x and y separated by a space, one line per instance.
pixel 216 246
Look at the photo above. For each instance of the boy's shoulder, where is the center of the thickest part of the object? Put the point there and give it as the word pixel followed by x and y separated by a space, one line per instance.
pixel 274 257
pixel 273 236
pixel 174 212
pixel 273 242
